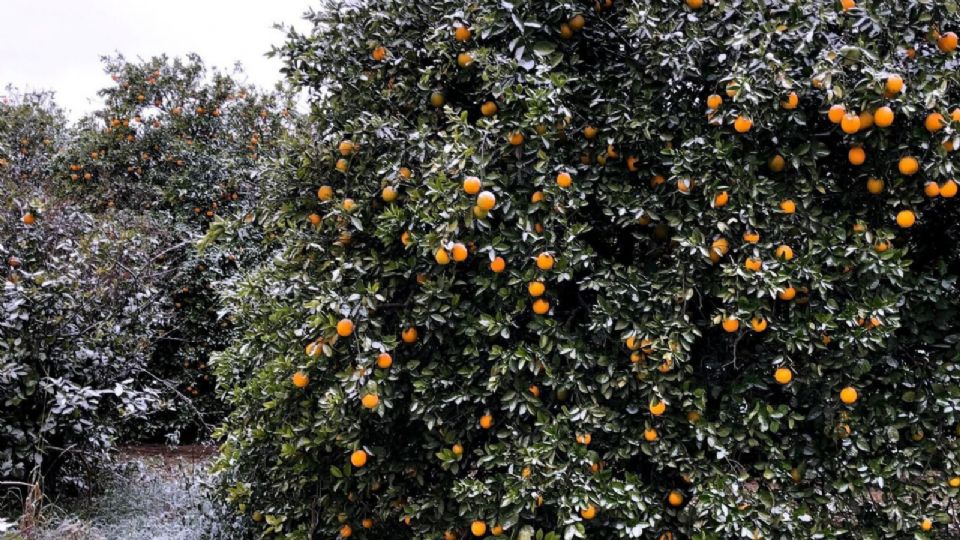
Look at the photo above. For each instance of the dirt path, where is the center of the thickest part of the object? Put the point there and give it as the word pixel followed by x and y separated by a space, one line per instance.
pixel 155 493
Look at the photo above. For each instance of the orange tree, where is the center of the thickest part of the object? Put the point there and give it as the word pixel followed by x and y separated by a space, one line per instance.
pixel 177 143
pixel 613 270
pixel 75 314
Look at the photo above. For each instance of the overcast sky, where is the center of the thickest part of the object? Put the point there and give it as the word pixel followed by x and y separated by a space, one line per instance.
pixel 57 44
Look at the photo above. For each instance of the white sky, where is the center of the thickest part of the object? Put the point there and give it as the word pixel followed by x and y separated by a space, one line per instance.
pixel 57 44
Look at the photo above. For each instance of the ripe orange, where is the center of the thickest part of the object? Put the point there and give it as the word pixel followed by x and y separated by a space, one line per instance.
pixel 471 185
pixel 684 185
pixel 486 421
pixel 358 458
pixel 564 180
pixel 947 42
pixel 948 189
pixel 881 246
pixel 536 197
pixel 742 124
pixel 346 531
pixel 464 60
pixel 934 122
pixel 565 31
pixel 721 199
pixel 344 327
pixel 545 261
pixel 849 395
pixel 720 246
pixel 875 186
pixel 906 219
pixel 314 219
pixel 714 101
pixel 536 288
pixel 787 294
pixel 866 120
pixel 367 523
pixel 437 99
pixel 759 324
pixel 751 237
pixel 850 123
pixel 590 132
pixel 931 189
pixel 441 256
pixel 486 201
pixel 788 206
pixel 498 265
pixel 389 194
pixel 883 117
pixel 632 164
pixel 857 155
pixel 695 4
pixel 370 401
pixel 675 498
pixel 777 163
pixel 384 360
pixel 847 5
pixel 784 252
pixel 791 102
pixel 409 335
pixel 459 252
pixel 583 438
pixel 894 85
pixel 346 147
pixel 783 375
pixel 909 166
pixel 730 325
pixel 325 193
pixel 954 482
pixel 462 33
pixel 379 53
pixel 753 264
pixel 588 512
pixel 650 435
pixel 516 138
pixel 478 528
pixel 658 408
pixel 349 204
pixel 541 306
pixel 342 165
pixel 836 113
pixel 926 525
pixel 28 219
pixel 300 379
pixel 488 108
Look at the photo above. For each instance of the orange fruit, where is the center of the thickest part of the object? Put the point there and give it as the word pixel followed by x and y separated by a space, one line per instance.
pixel 358 458
pixel 342 165
pixel 850 123
pixel 908 166
pixel 516 138
pixel 577 22
pixel 753 264
pixel 849 395
pixel 344 327
pixel 791 102
pixel 346 147
pixel 536 288
pixel 657 180
pixel 314 219
pixel 565 31
pixel 784 252
pixel 906 219
pixel 948 189
pixel 751 237
pixel 931 189
pixel 459 252
pixel 847 5
pixel 675 498
pixel 836 113
pixel 787 294
pixel 894 85
pixel 783 375
pixel 346 531
pixel 349 204
pixel 370 401
pixel 300 379
pixel 28 219
pixel 564 180
pixel 389 194
pixel 777 163
pixel 462 33
pixel 866 120
pixel 498 265
pixel 883 117
pixel 857 155
pixel 536 197
pixel 758 324
pixel 437 99
pixel 590 132
pixel 934 122
pixel 788 206
pixel 541 306
pixel 441 256
pixel 684 185
pixel 379 53
pixel 875 186
pixel 367 523
pixel 881 246
pixel 471 185
pixel 486 421
pixel 409 335
pixel 588 512
pixel 650 435
pixel 384 360
pixel 714 101
pixel 545 261
pixel 464 60
pixel 658 408
pixel 695 4
pixel 730 325
pixel 947 42
pixel 325 193
pixel 742 124
pixel 486 201
pixel 632 164
pixel 721 199
pixel 926 525
pixel 478 528
pixel 733 87
pixel 489 108
pixel 720 246
pixel 954 482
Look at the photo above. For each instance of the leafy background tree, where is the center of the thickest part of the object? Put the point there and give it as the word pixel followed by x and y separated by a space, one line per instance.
pixel 635 273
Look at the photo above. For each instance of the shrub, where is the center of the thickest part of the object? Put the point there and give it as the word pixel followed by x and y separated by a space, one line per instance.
pixel 741 332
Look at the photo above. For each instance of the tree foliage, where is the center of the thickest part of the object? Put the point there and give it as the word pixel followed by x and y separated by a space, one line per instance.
pixel 669 172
